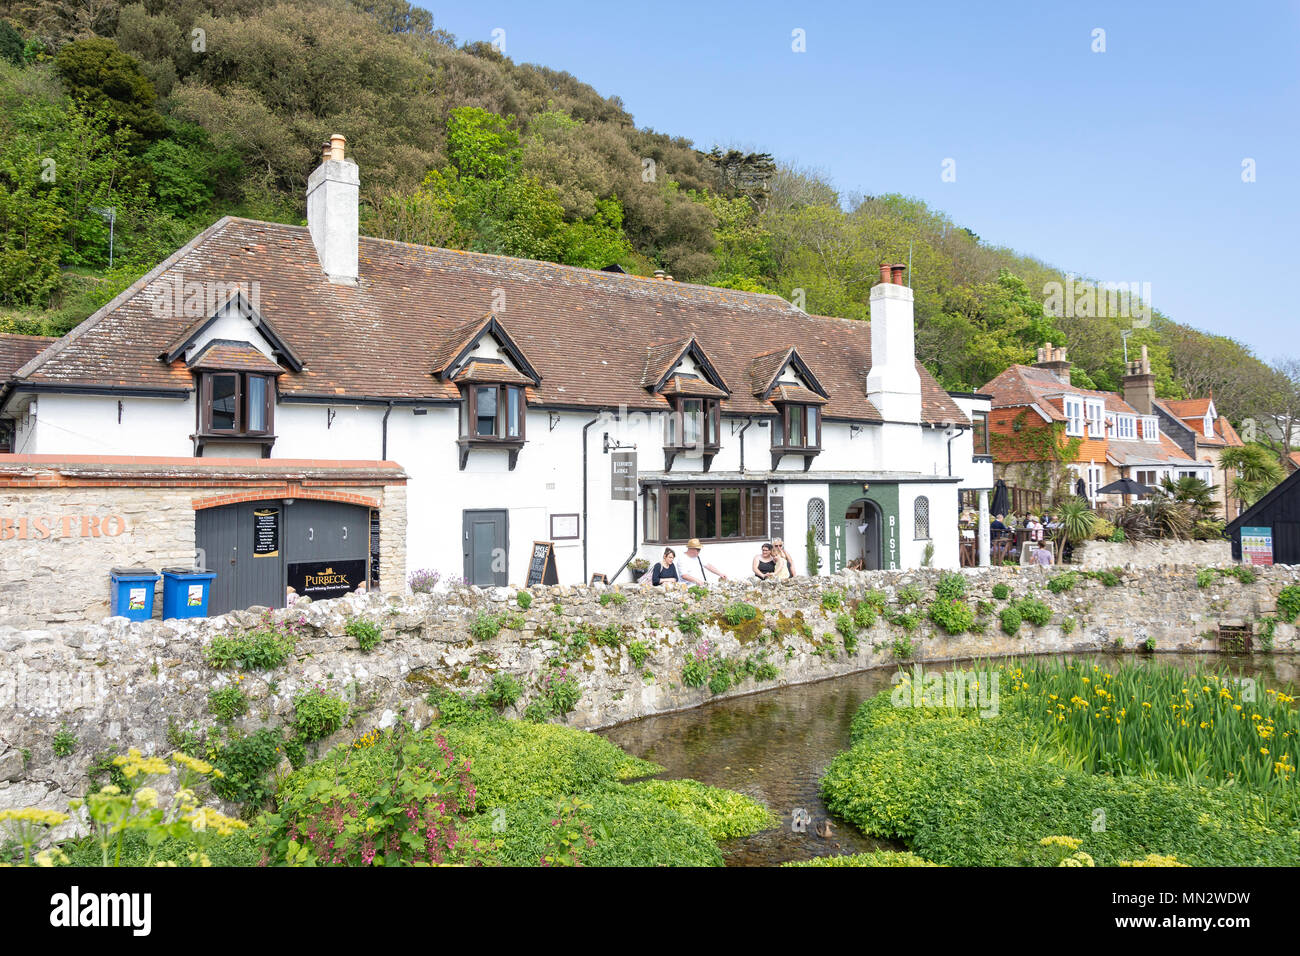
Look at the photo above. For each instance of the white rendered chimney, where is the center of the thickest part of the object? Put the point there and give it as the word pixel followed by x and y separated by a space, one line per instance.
pixel 893 384
pixel 333 191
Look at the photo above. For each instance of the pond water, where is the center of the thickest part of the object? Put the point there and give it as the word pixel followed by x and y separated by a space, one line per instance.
pixel 775 745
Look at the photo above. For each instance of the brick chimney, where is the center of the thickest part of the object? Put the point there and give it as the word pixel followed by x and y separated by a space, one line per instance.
pixel 893 384
pixel 333 192
pixel 1140 385
pixel 1054 360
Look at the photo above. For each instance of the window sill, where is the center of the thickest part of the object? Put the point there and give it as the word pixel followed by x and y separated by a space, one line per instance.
pixel 808 454
pixel 706 452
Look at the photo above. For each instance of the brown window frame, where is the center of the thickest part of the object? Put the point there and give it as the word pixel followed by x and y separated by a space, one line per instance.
pixel 468 411
pixel 712 409
pixel 781 428
pixel 659 535
pixel 206 429
pixel 980 426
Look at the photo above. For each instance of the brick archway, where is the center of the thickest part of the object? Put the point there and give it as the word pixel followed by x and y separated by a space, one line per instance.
pixel 283 491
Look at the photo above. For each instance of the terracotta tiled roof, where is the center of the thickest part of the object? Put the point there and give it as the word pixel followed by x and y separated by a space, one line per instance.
pixel 234 357
pixel 456 341
pixel 587 333
pixel 1188 407
pixel 490 370
pixel 693 387
pixel 1229 434
pixel 1027 385
pixel 17 350
pixel 765 368
pixel 794 393
pixel 660 359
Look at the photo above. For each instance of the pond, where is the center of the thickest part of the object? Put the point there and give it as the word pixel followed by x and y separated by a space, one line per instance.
pixel 775 745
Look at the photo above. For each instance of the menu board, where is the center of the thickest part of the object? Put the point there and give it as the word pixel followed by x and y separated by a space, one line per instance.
pixel 266 532
pixel 541 567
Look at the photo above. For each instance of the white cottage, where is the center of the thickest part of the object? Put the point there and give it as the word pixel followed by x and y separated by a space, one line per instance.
pixel 608 414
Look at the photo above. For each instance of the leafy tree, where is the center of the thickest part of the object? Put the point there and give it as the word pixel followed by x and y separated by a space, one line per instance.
pixel 1255 471
pixel 12 46
pixel 103 78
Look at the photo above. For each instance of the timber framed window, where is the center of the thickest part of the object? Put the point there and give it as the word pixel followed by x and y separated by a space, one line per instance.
pixel 979 434
pixel 692 428
pixel 675 513
pixel 492 416
pixel 797 431
pixel 236 406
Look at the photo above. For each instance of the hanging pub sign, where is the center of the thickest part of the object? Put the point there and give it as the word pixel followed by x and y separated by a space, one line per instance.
pixel 266 532
pixel 622 480
pixel 541 567
pixel 319 580
pixel 1257 545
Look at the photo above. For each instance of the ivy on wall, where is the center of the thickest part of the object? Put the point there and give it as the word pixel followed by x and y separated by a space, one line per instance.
pixel 1041 453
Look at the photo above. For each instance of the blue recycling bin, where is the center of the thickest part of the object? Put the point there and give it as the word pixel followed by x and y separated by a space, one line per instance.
pixel 185 592
pixel 132 596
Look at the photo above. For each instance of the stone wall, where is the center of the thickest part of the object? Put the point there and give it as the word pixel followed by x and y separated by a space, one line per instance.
pixel 1152 554
pixel 116 684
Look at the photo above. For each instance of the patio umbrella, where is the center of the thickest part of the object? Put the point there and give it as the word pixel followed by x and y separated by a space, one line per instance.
pixel 1125 486
pixel 1081 488
pixel 1001 499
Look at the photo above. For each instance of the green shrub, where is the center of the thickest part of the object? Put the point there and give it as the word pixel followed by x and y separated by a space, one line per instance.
pixel 524 600
pixel 864 615
pixel 876 600
pixel 908 595
pixel 365 631
pixel 503 691
pixel 264 646
pixel 908 620
pixel 698 591
pixel 832 600
pixel 720 680
pixel 227 703
pixel 953 615
pixel 1001 591
pixel 1288 603
pixel 1109 578
pixel 1034 611
pixel 244 763
pixel 611 635
pixel 1205 577
pixel 724 814
pixel 560 690
pixel 695 669
pixel 848 629
pixel 903 648
pixel 1067 625
pixel 460 707
pixel 766 671
pixel 738 612
pixel 876 858
pixel 1062 582
pixel 616 598
pixel 316 714
pixel 951 586
pixel 65 742
pixel 1149 644
pixel 689 624
pixel 1011 619
pixel 638 651
pixel 485 626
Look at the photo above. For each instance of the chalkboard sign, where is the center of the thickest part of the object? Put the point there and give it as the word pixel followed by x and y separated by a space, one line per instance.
pixel 776 516
pixel 266 532
pixel 541 567
pixel 598 578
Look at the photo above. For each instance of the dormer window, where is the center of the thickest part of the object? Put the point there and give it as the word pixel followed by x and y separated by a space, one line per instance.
pixel 1126 427
pixel 797 430
pixel 1095 411
pixel 1150 428
pixel 784 379
pixel 681 373
pixel 1073 408
pixel 492 415
pixel 693 424
pixel 236 404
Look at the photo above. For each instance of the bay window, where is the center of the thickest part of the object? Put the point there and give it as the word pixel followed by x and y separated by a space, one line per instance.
pixel 492 416
pixel 980 433
pixel 674 513
pixel 236 405
pixel 693 423
pixel 798 428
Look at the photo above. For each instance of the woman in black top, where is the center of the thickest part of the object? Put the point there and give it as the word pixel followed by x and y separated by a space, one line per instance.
pixel 665 570
pixel 765 563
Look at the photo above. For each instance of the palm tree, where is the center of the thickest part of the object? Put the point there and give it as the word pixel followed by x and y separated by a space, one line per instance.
pixel 1254 471
pixel 1194 492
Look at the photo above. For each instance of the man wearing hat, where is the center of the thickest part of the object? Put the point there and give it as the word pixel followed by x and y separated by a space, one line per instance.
pixel 693 566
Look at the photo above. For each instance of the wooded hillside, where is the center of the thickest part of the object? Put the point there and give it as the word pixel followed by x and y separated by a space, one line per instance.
pixel 173 114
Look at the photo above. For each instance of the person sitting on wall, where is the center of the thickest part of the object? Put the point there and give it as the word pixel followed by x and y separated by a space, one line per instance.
pixel 785 563
pixel 693 566
pixel 765 564
pixel 664 570
pixel 1042 555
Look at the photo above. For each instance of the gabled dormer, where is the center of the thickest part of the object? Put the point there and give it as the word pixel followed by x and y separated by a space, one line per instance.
pixel 493 375
pixel 783 378
pixel 683 375
pixel 236 357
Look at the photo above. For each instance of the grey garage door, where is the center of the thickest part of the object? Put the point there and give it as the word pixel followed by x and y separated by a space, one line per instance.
pixel 261 548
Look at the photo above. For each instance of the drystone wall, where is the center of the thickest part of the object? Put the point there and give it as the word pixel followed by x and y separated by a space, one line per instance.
pixel 116 684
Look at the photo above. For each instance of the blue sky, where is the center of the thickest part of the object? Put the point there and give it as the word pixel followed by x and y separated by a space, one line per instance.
pixel 1123 165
